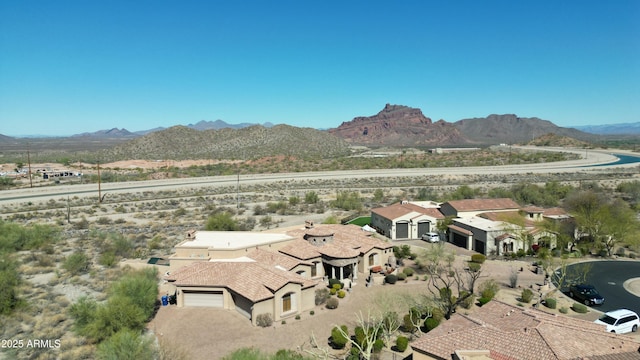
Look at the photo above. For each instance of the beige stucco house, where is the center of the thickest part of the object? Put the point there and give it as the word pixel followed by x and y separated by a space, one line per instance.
pixel 273 272
pixel 406 220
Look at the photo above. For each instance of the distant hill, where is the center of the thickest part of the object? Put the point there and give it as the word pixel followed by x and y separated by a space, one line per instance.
pixel 558 140
pixel 200 125
pixel 399 125
pixel 5 138
pixel 510 129
pixel 611 129
pixel 181 142
pixel 111 133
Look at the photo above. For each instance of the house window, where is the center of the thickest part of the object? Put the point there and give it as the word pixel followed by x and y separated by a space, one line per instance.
pixel 314 269
pixel 372 259
pixel 286 303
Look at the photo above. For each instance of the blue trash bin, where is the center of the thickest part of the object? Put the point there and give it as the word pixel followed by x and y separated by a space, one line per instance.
pixel 165 300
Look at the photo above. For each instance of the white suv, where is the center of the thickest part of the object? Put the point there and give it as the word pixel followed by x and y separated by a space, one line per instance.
pixel 620 321
pixel 431 237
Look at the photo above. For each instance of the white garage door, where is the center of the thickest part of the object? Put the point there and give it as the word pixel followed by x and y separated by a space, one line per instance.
pixel 203 298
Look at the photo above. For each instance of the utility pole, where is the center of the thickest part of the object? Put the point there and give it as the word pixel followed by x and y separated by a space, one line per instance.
pixel 29 162
pixel 99 190
pixel 238 191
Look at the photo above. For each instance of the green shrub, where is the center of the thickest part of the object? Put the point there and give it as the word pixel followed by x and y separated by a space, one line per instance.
pixel 378 345
pixel 526 295
pixel 474 267
pixel 468 302
pixel 332 303
pixel 402 276
pixel 333 291
pixel 333 282
pixel 126 344
pixel 478 258
pixel 338 340
pixel 312 312
pixel 407 323
pixel 76 263
pixel 489 289
pixel 408 271
pixel 336 287
pixel 297 317
pixel 402 343
pixel 390 279
pixel 580 308
pixel 264 320
pixel 431 323
pixel 483 300
pixel 341 294
pixel 551 303
pixel 564 310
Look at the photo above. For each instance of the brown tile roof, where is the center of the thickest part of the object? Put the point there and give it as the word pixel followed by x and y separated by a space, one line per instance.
pixel 253 280
pixel 348 241
pixel 399 209
pixel 460 229
pixel 483 204
pixel 512 332
pixel 275 259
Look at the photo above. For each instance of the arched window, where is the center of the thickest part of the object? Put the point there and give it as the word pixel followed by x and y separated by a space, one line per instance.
pixel 288 302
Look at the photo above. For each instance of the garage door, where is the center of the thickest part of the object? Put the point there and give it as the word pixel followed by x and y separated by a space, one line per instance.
pixel 479 246
pixel 243 305
pixel 402 230
pixel 423 228
pixel 203 298
pixel 460 240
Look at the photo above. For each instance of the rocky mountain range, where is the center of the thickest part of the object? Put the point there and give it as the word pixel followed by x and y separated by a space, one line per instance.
pixel 398 124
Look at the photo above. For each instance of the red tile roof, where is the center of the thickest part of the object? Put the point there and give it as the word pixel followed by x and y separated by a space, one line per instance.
pixel 511 332
pixel 483 204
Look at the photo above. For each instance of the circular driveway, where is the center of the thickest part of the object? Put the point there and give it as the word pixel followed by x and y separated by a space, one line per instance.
pixel 609 277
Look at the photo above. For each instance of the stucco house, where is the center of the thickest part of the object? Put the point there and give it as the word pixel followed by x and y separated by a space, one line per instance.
pixel 406 220
pixel 249 287
pixel 273 272
pixel 503 232
pixel 471 207
pixel 501 331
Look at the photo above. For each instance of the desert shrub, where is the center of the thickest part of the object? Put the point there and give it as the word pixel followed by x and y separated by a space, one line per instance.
pixel 483 300
pixel 402 276
pixel 83 313
pixel 474 267
pixel 564 309
pixel 431 323
pixel 551 303
pixel 402 343
pixel 76 263
pixel 408 271
pixel 338 340
pixel 378 345
pixel 321 296
pixel 334 282
pixel 336 287
pixel 341 294
pixel 407 322
pixel 297 317
pixel 513 278
pixel 333 291
pixel 468 302
pixel 521 253
pixel 103 220
pixel 312 312
pixel 264 320
pixel 222 221
pixel 107 259
pixel 526 295
pixel 579 308
pixel 332 303
pixel 9 282
pixel 141 286
pixel 126 344
pixel 390 279
pixel 478 258
pixel 489 289
pixel 119 313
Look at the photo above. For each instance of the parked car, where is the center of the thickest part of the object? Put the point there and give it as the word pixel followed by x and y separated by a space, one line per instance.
pixel 587 294
pixel 431 237
pixel 620 321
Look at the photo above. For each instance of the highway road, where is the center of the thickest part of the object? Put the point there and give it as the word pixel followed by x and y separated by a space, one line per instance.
pixel 591 160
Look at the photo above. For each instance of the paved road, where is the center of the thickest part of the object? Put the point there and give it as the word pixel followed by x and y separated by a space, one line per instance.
pixel 608 277
pixel 591 161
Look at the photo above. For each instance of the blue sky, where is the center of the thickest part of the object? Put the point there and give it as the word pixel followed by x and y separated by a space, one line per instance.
pixel 68 67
